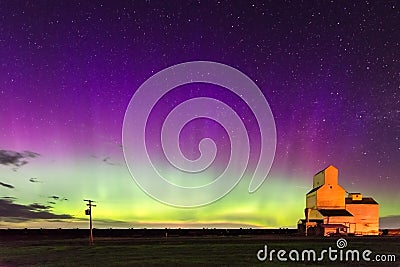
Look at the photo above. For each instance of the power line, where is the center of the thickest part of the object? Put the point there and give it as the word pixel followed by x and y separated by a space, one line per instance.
pixel 89 212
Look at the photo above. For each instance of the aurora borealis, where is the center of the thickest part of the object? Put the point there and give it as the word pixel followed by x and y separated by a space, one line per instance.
pixel 330 72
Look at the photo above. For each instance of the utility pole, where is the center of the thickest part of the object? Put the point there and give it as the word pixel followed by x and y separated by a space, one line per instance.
pixel 89 212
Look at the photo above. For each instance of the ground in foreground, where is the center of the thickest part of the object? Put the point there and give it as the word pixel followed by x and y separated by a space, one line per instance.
pixel 187 251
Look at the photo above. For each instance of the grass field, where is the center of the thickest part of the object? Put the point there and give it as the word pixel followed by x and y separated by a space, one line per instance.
pixel 183 251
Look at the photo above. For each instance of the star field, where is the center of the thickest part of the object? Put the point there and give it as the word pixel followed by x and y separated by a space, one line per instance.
pixel 330 72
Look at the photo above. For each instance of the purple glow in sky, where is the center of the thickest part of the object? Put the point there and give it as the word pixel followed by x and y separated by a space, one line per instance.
pixel 330 72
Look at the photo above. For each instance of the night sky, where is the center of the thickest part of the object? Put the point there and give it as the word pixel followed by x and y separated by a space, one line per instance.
pixel 330 71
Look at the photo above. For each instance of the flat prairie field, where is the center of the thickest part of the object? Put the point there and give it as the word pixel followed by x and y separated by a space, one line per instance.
pixel 202 251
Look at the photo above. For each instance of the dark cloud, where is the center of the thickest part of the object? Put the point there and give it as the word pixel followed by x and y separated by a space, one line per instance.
pixel 37 206
pixel 52 202
pixel 35 180
pixel 57 198
pixel 10 211
pixel 107 161
pixel 30 154
pixel 13 198
pixel 16 159
pixel 7 185
pixel 108 221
